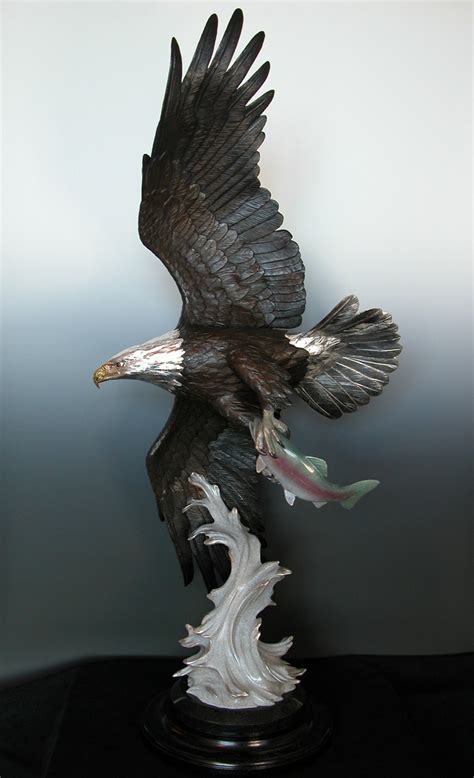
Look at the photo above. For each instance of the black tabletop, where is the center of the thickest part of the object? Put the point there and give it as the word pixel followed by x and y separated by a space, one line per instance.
pixel 406 717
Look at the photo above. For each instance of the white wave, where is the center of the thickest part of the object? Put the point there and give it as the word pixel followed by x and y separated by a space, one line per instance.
pixel 233 667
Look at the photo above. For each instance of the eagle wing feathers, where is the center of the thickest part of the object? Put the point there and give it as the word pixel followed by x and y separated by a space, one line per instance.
pixel 203 211
pixel 198 439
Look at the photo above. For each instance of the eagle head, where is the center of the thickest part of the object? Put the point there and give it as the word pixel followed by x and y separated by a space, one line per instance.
pixel 158 361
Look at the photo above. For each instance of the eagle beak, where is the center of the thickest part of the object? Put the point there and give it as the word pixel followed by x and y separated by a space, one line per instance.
pixel 103 373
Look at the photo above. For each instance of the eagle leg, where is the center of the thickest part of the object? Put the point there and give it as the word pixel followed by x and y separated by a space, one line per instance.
pixel 266 428
pixel 271 383
pixel 235 409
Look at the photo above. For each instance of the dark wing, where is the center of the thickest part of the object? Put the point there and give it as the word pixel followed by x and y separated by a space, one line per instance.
pixel 203 211
pixel 351 357
pixel 197 439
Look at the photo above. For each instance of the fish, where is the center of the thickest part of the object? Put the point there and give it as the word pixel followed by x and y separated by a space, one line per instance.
pixel 305 477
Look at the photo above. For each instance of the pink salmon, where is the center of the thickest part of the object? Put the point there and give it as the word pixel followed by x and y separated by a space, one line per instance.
pixel 306 477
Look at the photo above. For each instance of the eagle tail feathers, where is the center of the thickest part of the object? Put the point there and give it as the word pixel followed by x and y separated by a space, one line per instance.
pixel 351 355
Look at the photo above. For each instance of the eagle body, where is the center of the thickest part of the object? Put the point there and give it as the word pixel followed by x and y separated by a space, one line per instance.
pixel 225 367
pixel 232 360
pixel 241 371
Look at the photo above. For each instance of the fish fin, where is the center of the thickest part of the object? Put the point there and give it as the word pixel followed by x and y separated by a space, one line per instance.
pixel 289 497
pixel 319 504
pixel 260 464
pixel 320 465
pixel 358 490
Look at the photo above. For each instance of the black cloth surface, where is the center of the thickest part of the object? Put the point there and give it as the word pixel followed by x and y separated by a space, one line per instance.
pixel 395 717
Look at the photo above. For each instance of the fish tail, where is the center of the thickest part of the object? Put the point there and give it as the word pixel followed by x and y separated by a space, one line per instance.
pixel 357 491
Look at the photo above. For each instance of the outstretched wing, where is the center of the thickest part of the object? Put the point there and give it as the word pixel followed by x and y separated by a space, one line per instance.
pixel 203 211
pixel 351 357
pixel 197 439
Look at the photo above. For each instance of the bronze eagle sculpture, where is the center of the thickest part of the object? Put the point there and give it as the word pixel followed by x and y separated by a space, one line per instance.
pixel 230 359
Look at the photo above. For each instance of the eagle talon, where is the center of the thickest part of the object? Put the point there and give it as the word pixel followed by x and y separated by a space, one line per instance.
pixel 266 433
pixel 281 427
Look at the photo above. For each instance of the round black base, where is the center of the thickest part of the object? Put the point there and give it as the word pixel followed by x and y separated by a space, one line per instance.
pixel 246 740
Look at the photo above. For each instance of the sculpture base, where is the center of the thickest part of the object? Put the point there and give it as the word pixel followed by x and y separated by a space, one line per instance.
pixel 246 740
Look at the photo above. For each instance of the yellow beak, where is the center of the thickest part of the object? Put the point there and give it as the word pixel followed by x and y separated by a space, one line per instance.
pixel 103 373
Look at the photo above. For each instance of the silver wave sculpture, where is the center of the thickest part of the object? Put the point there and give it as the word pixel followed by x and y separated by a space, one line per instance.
pixel 233 667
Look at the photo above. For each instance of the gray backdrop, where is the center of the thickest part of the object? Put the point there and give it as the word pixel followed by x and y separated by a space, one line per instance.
pixel 368 152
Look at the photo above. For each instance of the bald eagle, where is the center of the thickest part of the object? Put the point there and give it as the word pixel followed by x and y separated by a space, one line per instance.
pixel 231 358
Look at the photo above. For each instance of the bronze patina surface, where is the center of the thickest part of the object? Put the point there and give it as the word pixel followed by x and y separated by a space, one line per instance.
pixel 241 277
